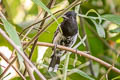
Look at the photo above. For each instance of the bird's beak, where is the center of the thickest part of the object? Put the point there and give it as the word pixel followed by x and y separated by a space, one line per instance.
pixel 65 17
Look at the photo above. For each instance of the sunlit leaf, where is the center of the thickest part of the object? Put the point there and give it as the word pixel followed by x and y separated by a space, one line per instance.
pixel 14 36
pixel 116 78
pixel 100 29
pixel 117 30
pixel 113 18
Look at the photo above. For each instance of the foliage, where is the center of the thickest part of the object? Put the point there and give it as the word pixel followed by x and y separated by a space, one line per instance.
pixel 97 15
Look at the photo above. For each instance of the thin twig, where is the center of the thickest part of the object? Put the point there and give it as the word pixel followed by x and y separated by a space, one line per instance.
pixel 45 27
pixel 2 66
pixel 66 66
pixel 41 25
pixel 21 53
pixel 5 58
pixel 107 72
pixel 50 16
pixel 102 78
pixel 89 17
pixel 80 53
pixel 86 42
pixel 30 71
pixel 104 41
pixel 32 27
pixel 26 36
pixel 38 22
pixel 5 76
pixel 50 4
pixel 7 68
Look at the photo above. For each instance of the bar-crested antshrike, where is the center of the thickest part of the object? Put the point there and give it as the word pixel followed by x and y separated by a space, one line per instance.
pixel 67 37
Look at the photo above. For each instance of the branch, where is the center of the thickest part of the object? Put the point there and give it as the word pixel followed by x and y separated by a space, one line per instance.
pixel 86 42
pixel 81 53
pixel 21 53
pixel 5 58
pixel 65 68
pixel 30 71
pixel 45 27
pixel 41 25
pixel 7 68
pixel 104 41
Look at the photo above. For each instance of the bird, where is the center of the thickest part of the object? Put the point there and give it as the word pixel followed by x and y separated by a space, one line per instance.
pixel 66 36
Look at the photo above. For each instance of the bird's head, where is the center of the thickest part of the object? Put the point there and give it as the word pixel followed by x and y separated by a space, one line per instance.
pixel 69 15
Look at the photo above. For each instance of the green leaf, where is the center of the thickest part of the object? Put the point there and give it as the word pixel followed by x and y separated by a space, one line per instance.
pixel 35 54
pixel 116 78
pixel 113 18
pixel 99 29
pixel 19 78
pixel 92 10
pixel 83 74
pixel 14 36
pixel 94 42
pixel 47 35
pixel 1 70
pixel 117 30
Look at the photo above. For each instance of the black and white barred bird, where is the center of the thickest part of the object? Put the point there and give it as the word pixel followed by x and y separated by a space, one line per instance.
pixel 66 38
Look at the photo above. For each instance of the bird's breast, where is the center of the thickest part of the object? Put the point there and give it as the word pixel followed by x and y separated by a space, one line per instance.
pixel 69 29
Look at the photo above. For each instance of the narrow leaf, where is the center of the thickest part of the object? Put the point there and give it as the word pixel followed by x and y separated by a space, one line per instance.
pixel 116 78
pixel 113 18
pixel 99 29
pixel 83 74
pixel 65 68
pixel 117 30
pixel 14 36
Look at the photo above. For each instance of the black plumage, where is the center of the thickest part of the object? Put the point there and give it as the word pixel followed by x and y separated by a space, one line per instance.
pixel 66 38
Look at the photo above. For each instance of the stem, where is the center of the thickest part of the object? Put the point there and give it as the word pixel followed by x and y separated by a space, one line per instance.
pixel 66 66
pixel 30 71
pixel 41 25
pixel 86 42
pixel 7 68
pixel 21 53
pixel 89 17
pixel 5 58
pixel 38 22
pixel 45 27
pixel 81 53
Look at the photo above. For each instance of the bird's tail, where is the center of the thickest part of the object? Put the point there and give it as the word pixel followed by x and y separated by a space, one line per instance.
pixel 55 61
